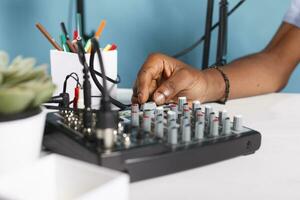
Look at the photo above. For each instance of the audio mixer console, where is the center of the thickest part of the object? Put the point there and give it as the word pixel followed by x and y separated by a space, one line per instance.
pixel 153 141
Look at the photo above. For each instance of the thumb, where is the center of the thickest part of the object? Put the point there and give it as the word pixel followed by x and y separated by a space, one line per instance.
pixel 170 88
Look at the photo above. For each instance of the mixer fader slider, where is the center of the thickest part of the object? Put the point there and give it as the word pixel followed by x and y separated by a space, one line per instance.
pixel 157 140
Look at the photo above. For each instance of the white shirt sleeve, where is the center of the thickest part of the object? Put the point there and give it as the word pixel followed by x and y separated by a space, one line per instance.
pixel 292 16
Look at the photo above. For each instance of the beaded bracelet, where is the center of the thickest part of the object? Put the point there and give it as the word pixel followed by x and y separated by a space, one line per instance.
pixel 227 85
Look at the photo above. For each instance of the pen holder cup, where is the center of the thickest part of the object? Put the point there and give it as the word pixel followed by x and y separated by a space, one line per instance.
pixel 64 63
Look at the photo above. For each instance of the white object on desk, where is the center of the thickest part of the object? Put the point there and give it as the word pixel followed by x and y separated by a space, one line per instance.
pixel 64 63
pixel 124 95
pixel 21 141
pixel 56 177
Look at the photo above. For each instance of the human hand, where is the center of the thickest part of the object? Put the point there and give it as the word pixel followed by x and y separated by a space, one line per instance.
pixel 163 79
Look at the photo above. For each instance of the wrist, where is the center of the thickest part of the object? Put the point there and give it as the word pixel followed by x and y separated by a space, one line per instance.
pixel 215 85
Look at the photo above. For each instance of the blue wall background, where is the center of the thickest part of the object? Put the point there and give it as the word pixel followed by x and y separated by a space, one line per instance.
pixel 140 27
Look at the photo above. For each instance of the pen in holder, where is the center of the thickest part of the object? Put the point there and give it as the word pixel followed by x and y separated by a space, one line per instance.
pixel 64 63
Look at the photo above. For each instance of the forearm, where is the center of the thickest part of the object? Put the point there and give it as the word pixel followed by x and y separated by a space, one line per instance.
pixel 249 76
pixel 165 78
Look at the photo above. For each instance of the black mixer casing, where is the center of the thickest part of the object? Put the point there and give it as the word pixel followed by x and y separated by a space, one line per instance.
pixel 151 160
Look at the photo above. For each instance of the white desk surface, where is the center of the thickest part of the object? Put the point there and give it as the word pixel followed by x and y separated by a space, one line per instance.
pixel 273 172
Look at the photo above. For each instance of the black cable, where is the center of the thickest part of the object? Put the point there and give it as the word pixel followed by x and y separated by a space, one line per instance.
pixel 56 99
pixel 107 119
pixel 57 108
pixel 87 90
pixel 98 84
pixel 199 41
pixel 96 48
pixel 77 77
pixel 67 78
pixel 62 99
pixel 50 107
pixel 65 82
pixel 118 80
pixel 86 82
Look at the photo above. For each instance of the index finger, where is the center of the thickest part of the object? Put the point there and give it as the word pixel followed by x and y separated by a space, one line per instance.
pixel 150 71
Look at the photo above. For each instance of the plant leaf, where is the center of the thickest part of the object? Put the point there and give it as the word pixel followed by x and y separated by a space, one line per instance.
pixel 15 100
pixel 4 59
pixel 15 62
pixel 42 91
pixel 22 85
pixel 44 94
pixel 18 78
pixel 1 78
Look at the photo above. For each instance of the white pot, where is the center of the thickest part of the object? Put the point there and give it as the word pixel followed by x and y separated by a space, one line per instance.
pixel 20 141
pixel 59 177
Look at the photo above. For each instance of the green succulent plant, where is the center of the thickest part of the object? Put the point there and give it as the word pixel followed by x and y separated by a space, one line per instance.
pixel 22 84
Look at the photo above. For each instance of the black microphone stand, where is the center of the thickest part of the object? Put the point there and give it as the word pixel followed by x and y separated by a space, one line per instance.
pixel 80 8
pixel 208 27
pixel 223 34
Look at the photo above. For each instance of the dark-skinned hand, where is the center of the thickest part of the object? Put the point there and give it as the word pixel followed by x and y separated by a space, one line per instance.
pixel 163 79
